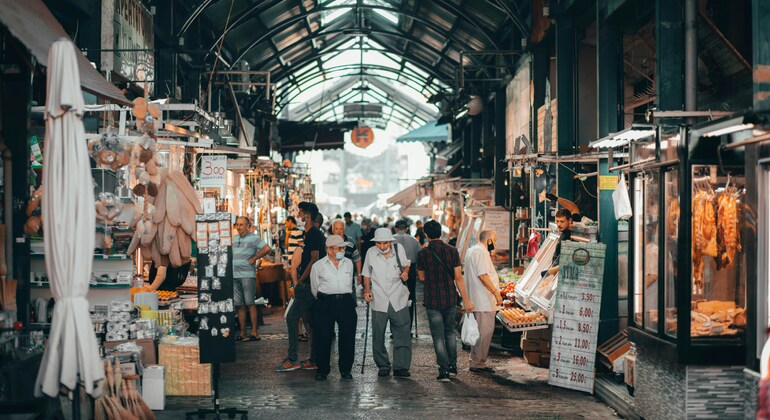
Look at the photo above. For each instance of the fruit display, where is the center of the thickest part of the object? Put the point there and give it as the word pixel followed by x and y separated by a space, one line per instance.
pixel 164 297
pixel 519 317
pixel 507 275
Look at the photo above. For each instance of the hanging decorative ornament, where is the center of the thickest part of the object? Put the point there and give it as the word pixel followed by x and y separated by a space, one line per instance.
pixel 362 137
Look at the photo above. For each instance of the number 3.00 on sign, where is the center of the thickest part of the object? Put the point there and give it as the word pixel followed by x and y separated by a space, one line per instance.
pixel 213 171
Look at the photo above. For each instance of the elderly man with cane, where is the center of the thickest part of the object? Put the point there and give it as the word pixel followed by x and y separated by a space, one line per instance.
pixel 386 270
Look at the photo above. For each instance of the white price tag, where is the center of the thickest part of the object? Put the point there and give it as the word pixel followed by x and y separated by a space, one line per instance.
pixel 213 172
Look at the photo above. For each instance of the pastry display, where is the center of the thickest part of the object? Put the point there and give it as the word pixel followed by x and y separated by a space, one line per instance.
pixel 519 317
pixel 714 317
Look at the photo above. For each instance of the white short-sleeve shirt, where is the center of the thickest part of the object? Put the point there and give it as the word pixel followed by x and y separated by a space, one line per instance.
pixel 331 280
pixel 387 287
pixel 478 261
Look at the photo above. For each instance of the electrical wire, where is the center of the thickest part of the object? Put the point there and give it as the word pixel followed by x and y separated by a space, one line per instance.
pixel 219 50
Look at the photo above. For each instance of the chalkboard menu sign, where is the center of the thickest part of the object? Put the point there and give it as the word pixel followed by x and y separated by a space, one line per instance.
pixel 216 309
pixel 576 316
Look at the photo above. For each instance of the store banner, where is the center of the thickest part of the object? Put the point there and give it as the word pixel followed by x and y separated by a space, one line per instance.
pixel 213 171
pixel 576 316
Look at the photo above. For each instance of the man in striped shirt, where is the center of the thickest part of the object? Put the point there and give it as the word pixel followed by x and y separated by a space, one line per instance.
pixel 294 236
pixel 248 248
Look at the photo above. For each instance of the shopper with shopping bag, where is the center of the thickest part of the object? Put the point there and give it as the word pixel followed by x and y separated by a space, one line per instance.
pixel 482 282
pixel 438 266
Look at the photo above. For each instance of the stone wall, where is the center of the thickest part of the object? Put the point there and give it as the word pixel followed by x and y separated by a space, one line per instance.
pixel 715 392
pixel 659 388
pixel 751 394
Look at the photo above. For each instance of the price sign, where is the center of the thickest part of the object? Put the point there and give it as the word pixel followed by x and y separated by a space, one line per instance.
pixel 499 221
pixel 213 171
pixel 576 316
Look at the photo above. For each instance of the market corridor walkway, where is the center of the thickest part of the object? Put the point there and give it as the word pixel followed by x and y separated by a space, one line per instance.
pixel 517 391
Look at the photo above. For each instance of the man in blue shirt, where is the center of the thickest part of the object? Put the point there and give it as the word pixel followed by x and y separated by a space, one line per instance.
pixel 247 249
pixel 353 230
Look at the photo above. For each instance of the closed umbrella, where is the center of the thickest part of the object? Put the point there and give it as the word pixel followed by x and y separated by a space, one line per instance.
pixel 68 225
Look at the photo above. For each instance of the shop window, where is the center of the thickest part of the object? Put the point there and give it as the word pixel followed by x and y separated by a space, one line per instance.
pixel 651 251
pixel 671 244
pixel 718 264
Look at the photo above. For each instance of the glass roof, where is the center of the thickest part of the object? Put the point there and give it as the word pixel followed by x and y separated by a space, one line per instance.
pixel 324 54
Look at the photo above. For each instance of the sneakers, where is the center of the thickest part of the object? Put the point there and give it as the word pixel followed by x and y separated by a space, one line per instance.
pixel 452 370
pixel 261 301
pixel 401 373
pixel 287 366
pixel 320 376
pixel 383 372
pixel 347 376
pixel 443 377
pixel 308 365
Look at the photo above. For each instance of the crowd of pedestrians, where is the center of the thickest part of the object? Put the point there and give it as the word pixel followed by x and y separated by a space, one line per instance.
pixel 384 263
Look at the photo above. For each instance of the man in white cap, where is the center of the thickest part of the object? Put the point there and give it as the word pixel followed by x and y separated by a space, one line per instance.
pixel 330 283
pixel 386 271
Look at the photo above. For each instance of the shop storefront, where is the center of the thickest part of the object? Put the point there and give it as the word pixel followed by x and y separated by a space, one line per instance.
pixel 691 280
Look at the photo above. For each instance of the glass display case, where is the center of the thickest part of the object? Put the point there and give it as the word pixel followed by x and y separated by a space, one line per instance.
pixel 532 276
pixel 687 261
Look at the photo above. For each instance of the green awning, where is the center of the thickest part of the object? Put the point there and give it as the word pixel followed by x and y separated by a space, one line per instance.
pixel 428 133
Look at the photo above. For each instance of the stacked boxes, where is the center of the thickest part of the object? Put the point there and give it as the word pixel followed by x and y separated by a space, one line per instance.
pixel 119 320
pixel 185 376
pixel 537 347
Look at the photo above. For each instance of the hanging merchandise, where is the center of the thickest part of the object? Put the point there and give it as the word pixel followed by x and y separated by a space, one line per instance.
pixel 728 227
pixel 704 229
pixel 109 151
pixel 621 200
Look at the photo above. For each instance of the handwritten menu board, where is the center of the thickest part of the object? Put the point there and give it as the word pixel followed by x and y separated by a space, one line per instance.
pixel 500 222
pixel 576 316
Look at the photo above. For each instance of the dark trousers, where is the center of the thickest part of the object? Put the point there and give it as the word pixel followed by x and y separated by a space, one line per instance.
pixel 301 309
pixel 411 284
pixel 328 310
pixel 444 333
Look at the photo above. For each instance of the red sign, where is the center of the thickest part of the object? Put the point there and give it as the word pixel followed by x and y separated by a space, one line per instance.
pixel 362 137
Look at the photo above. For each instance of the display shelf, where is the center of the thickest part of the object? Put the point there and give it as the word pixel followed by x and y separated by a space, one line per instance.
pixel 520 327
pixel 93 286
pixel 96 256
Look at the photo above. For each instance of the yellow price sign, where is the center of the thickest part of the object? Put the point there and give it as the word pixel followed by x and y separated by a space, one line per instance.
pixel 608 182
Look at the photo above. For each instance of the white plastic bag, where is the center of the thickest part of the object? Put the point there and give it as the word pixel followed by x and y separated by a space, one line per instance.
pixel 621 200
pixel 470 332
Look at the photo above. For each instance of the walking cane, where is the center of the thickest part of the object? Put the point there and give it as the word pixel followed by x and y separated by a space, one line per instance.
pixel 366 337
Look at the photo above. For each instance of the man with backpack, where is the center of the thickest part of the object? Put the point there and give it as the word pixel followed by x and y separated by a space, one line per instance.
pixel 438 265
pixel 386 271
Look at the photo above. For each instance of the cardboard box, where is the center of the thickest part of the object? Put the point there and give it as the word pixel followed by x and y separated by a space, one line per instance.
pixel 541 334
pixel 153 387
pixel 532 357
pixel 535 345
pixel 149 355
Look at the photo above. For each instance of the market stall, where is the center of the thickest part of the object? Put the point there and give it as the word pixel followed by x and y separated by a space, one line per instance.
pixel 689 271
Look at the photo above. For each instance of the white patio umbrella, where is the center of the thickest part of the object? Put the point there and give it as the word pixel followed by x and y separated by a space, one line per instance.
pixel 68 226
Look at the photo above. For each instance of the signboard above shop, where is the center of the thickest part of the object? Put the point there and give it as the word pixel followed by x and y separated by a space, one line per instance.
pixel 213 171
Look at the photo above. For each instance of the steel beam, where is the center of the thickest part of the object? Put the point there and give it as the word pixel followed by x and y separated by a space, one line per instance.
pixel 566 99
pixel 609 82
pixel 669 39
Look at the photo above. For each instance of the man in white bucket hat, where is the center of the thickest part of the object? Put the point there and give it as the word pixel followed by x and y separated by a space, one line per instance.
pixel 385 272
